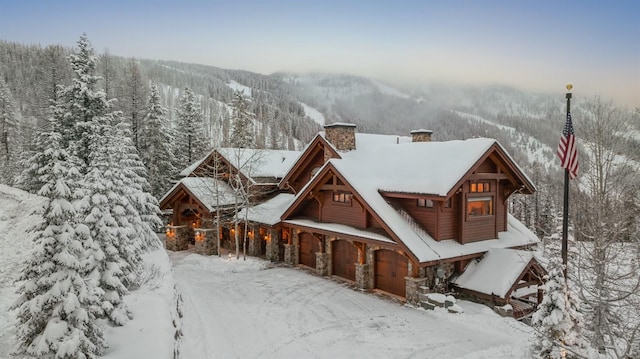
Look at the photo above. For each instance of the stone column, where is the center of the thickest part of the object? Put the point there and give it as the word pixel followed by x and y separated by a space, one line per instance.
pixel 290 254
pixel 182 237
pixel 272 245
pixel 413 289
pixel 254 241
pixel 363 273
pixel 322 263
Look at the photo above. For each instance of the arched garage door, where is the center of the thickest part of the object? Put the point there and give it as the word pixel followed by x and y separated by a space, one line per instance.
pixel 344 258
pixel 391 269
pixel 309 245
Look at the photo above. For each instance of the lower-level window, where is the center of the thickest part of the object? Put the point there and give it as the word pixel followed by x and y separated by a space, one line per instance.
pixel 480 206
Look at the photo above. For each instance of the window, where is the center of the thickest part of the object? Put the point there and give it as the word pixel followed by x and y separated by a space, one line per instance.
pixel 426 203
pixel 480 206
pixel 341 197
pixel 480 187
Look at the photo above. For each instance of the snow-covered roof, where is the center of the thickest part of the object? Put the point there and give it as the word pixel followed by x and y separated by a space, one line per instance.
pixel 268 212
pixel 395 164
pixel 495 273
pixel 415 167
pixel 252 162
pixel 204 189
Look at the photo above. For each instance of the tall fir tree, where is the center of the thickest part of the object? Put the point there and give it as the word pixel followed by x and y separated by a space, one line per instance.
pixel 9 143
pixel 79 103
pixel 132 100
pixel 191 139
pixel 59 297
pixel 242 132
pixel 155 145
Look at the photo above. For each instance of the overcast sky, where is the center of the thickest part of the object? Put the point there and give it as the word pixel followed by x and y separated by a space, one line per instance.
pixel 533 45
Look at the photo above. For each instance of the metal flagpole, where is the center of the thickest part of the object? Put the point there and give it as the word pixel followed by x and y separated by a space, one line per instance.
pixel 565 214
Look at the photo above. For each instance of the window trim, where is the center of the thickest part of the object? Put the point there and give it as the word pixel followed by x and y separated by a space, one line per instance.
pixel 342 197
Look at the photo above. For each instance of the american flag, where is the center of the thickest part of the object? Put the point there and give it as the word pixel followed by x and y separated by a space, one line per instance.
pixel 568 149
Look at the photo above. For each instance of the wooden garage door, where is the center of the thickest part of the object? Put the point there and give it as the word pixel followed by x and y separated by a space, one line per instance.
pixel 309 245
pixel 391 269
pixel 344 258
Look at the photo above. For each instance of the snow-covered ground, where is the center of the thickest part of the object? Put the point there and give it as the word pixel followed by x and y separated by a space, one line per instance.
pixel 254 309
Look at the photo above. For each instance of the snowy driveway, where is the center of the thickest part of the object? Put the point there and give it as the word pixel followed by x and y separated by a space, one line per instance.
pixel 250 309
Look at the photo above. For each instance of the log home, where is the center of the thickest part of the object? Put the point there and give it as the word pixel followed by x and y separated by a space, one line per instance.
pixel 401 215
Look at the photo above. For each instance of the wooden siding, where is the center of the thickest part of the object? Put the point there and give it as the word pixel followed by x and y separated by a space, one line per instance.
pixel 488 166
pixel 312 209
pixel 351 213
pixel 501 210
pixel 303 175
pixel 390 271
pixel 427 217
pixel 344 259
pixel 449 220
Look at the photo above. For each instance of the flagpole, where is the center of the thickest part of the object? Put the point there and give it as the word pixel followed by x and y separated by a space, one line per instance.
pixel 565 214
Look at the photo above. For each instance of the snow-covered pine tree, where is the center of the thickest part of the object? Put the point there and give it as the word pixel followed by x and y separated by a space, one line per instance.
pixel 59 298
pixel 558 320
pixel 106 211
pixel 79 103
pixel 8 135
pixel 155 145
pixel 191 140
pixel 132 101
pixel 145 210
pixel 242 128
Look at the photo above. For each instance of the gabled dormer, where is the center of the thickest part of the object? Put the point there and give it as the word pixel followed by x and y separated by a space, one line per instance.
pixel 312 158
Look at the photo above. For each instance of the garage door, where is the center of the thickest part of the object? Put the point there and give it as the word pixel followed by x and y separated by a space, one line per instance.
pixel 344 258
pixel 391 269
pixel 309 245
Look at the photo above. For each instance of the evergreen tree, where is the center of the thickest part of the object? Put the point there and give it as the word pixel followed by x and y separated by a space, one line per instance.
pixel 191 140
pixel 59 298
pixel 132 100
pixel 242 134
pixel 8 135
pixel 79 103
pixel 558 320
pixel 155 145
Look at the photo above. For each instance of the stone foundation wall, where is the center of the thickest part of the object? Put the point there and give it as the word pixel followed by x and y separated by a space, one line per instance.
pixel 206 242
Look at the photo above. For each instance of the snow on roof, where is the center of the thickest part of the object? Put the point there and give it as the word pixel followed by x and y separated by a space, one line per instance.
pixel 339 228
pixel 270 211
pixel 204 189
pixel 416 167
pixel 260 163
pixel 253 162
pixel 495 273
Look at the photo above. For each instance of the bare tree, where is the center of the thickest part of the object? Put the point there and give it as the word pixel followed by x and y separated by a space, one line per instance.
pixel 609 248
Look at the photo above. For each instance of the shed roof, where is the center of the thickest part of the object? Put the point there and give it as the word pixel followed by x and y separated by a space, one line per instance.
pixel 496 272
pixel 270 211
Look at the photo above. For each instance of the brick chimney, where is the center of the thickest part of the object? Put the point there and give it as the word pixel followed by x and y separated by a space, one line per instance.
pixel 421 135
pixel 341 135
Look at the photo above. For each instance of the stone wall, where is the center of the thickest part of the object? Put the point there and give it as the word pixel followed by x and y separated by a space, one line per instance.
pixel 414 288
pixel 363 274
pixel 206 241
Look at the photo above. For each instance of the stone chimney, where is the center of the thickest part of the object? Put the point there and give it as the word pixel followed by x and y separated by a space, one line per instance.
pixel 421 135
pixel 341 135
